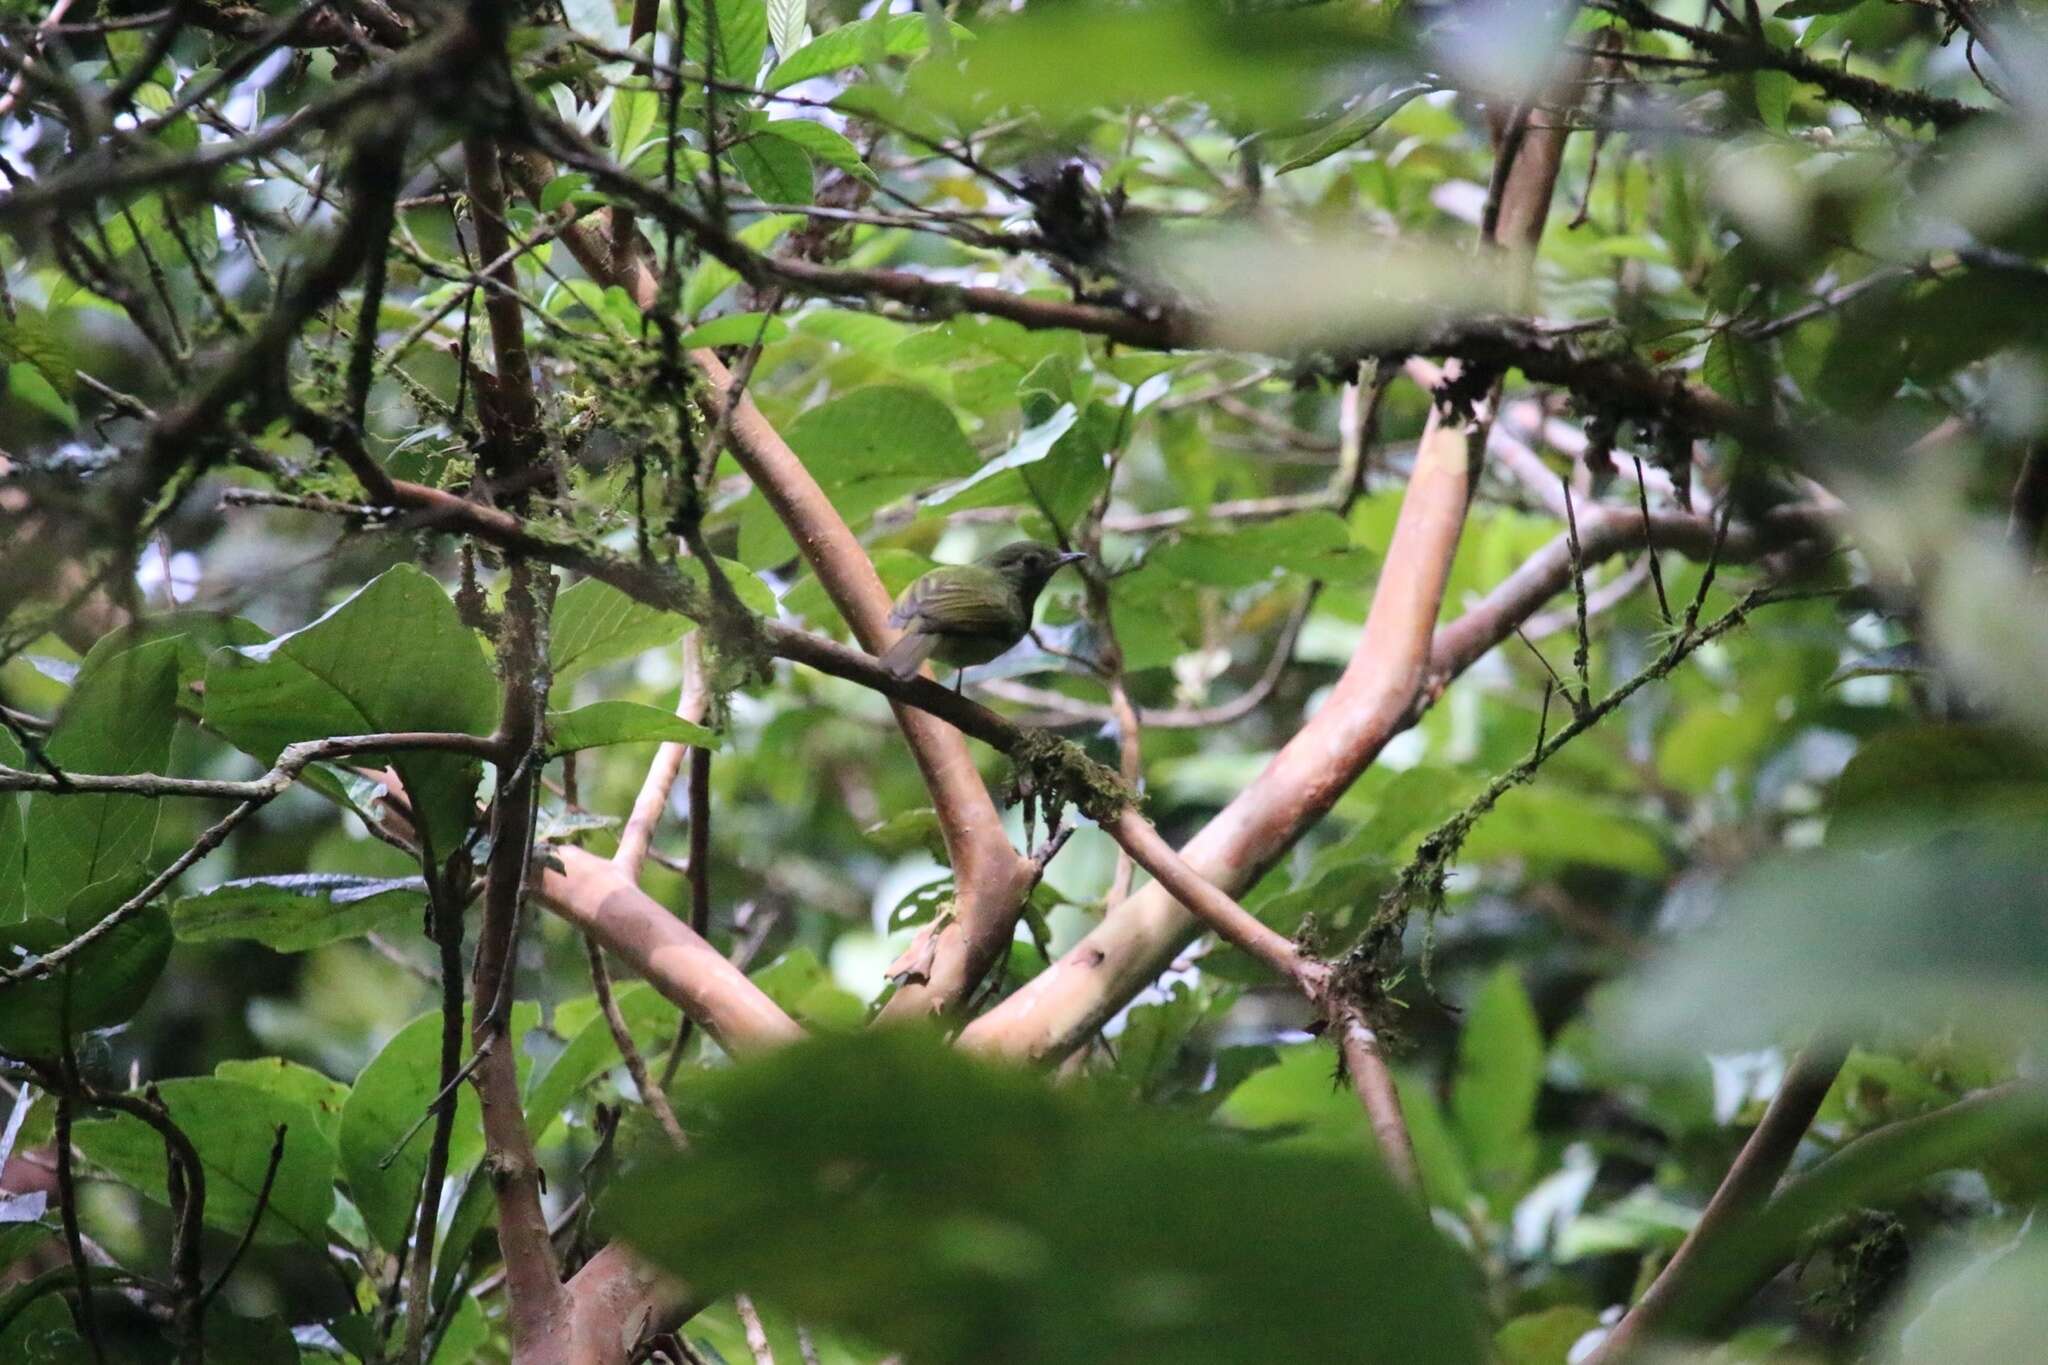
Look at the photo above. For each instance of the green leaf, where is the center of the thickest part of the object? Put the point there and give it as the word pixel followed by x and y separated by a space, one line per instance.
pixel 882 432
pixel 622 722
pixel 1352 127
pixel 30 339
pixel 1864 1173
pixel 1445 1178
pixel 1807 9
pixel 787 22
pixel 1944 932
pixel 1560 826
pixel 107 981
pixel 713 277
pixel 1738 369
pixel 1984 1308
pixel 736 29
pixel 634 113
pixel 297 911
pixel 1298 1102
pixel 1774 91
pixel 825 144
pixel 1263 64
pixel 232 1340
pixel 18 1240
pixel 805 988
pixel 118 719
pixel 42 1333
pixel 737 329
pixel 775 169
pixel 1313 543
pixel 888 1185
pixel 389 1097
pixel 860 42
pixel 595 624
pixel 1546 1337
pixel 1493 1101
pixel 26 384
pixel 323 1096
pixel 746 585
pixel 1066 482
pixel 234 1127
pixel 1926 777
pixel 394 656
pixel 592 1050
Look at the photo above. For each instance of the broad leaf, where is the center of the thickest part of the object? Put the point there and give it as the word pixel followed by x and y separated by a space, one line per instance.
pixel 888 1185
pixel 118 720
pixel 775 169
pixel 387 1099
pixel 1943 933
pixel 852 44
pixel 234 1127
pixel 736 30
pixel 622 722
pixel 1500 1068
pixel 322 1096
pixel 1353 126
pixel 299 911
pixel 592 1050
pixel 595 624
pixel 100 986
pixel 394 656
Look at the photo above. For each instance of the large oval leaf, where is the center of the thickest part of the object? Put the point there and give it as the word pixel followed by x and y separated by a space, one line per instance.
pixel 394 656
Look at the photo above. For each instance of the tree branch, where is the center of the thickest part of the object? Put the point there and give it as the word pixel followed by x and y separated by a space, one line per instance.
pixel 599 899
pixel 1748 1184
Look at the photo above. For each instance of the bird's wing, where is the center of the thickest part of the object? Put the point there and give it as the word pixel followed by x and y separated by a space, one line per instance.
pixel 957 600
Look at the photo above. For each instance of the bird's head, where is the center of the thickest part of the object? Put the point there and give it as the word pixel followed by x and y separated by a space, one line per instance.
pixel 1030 563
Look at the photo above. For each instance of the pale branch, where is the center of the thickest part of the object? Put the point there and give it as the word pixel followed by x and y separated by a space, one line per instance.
pixel 598 898
pixel 637 836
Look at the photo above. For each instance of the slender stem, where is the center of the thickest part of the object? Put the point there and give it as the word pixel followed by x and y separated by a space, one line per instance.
pixel 1748 1184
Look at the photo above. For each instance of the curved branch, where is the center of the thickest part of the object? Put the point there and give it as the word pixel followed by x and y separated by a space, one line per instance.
pixel 602 901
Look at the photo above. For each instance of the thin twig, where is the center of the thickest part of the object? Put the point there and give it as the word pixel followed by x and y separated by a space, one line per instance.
pixel 255 1217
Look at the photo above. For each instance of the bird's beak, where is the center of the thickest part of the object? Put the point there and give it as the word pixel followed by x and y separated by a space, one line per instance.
pixel 1073 556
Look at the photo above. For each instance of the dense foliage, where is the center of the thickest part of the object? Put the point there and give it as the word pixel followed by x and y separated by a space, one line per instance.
pixel 1563 489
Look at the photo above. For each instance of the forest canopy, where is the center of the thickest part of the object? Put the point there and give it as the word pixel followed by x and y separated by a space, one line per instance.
pixel 1503 820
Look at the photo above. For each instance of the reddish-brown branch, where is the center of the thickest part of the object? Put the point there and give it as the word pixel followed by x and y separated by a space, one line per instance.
pixel 532 1279
pixel 599 899
pixel 1373 1083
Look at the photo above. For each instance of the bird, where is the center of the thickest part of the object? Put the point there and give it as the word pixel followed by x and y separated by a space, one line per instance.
pixel 967 614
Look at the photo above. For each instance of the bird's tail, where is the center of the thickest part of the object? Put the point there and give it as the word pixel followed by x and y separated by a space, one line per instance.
pixel 909 652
